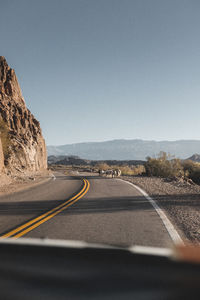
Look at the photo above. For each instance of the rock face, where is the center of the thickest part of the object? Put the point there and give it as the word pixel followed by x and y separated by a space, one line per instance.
pixel 1 158
pixel 26 149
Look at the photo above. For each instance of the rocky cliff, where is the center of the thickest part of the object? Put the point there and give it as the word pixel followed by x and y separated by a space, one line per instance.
pixel 1 158
pixel 22 141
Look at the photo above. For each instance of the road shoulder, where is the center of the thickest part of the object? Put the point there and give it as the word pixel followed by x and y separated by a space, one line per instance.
pixel 10 185
pixel 180 202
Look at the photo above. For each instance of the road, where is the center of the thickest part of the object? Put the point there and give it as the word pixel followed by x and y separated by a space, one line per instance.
pixel 95 210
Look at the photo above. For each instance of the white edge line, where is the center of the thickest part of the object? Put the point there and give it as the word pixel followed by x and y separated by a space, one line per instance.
pixel 168 225
pixel 54 177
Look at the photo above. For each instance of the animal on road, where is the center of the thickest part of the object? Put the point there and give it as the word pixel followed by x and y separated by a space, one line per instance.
pixel 112 173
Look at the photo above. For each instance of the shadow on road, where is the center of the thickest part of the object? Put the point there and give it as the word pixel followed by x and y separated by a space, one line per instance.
pixel 100 205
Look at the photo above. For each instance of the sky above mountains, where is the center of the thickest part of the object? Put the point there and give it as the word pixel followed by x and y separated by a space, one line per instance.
pixel 97 70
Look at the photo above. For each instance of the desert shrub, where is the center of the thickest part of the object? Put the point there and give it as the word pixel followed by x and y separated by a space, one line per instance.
pixel 195 175
pixel 102 166
pixel 188 166
pixel 131 171
pixel 164 166
pixel 126 170
pixel 5 138
pixel 138 170
pixel 192 170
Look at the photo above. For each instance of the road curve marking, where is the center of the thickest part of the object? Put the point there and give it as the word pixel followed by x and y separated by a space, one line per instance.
pixel 167 223
pixel 35 225
pixel 25 228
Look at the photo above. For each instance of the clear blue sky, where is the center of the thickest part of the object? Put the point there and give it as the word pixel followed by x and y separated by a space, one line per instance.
pixel 93 70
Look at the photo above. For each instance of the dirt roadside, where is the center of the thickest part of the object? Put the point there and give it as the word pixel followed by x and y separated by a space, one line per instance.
pixel 179 200
pixel 13 184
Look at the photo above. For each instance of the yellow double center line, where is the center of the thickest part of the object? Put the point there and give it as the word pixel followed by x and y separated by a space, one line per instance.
pixel 32 224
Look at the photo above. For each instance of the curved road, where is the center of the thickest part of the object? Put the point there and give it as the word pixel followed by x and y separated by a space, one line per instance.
pixel 107 211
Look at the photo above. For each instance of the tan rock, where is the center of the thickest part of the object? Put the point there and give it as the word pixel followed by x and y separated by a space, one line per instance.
pixel 1 158
pixel 27 149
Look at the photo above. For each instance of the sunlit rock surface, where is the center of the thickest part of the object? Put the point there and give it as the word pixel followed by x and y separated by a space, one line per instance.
pixel 1 158
pixel 26 149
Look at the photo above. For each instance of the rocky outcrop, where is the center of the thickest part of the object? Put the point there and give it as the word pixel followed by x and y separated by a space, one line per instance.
pixel 26 149
pixel 1 158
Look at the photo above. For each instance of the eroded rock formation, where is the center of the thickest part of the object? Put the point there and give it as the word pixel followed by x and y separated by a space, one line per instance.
pixel 1 158
pixel 26 149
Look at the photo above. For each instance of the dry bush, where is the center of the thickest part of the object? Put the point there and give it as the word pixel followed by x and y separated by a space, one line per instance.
pixel 131 171
pixel 192 170
pixel 139 170
pixel 102 166
pixel 126 170
pixel 164 166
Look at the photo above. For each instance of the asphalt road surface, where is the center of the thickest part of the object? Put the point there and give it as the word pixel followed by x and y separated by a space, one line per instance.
pixel 86 208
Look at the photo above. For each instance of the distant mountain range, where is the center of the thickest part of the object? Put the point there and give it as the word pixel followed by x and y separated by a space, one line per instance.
pixel 75 160
pixel 126 149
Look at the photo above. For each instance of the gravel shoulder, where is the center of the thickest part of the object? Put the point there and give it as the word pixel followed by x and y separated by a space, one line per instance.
pixel 179 200
pixel 16 183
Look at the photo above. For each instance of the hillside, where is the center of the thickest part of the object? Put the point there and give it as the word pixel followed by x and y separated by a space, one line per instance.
pixel 195 158
pixel 127 149
pixel 75 160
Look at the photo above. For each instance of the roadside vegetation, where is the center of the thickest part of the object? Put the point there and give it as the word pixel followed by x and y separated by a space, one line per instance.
pixel 102 166
pixel 192 170
pixel 166 166
pixel 132 170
